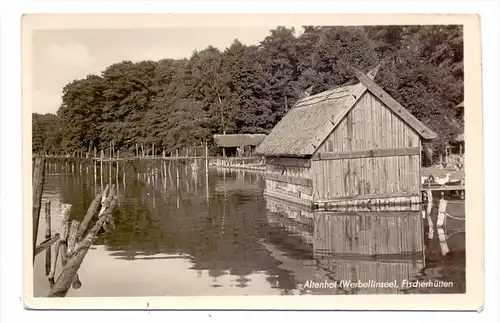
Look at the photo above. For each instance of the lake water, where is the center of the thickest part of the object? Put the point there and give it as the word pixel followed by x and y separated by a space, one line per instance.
pixel 179 232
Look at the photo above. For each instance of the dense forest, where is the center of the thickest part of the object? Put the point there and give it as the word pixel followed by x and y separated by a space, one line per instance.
pixel 247 89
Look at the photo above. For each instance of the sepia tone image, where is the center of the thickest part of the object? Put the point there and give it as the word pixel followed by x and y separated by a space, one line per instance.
pixel 295 159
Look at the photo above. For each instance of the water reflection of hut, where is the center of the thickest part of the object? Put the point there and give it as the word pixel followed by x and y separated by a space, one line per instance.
pixel 372 248
pixel 240 145
pixel 381 250
pixel 295 219
pixel 349 146
pixel 385 276
pixel 369 233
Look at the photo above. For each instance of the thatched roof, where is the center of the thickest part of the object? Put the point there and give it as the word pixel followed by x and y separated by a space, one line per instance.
pixel 460 137
pixel 296 133
pixel 302 130
pixel 237 140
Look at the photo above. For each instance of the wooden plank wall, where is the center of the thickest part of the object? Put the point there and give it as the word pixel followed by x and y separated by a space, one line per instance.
pixel 369 126
pixel 368 234
pixel 279 179
pixel 371 270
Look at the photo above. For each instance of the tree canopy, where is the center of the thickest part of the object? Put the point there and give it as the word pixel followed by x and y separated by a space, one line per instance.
pixel 247 89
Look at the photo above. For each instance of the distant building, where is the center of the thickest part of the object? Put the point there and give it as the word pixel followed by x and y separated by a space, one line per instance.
pixel 238 145
pixel 349 146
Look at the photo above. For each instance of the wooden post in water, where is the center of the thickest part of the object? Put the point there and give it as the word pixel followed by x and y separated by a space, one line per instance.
pixel 60 246
pixel 91 212
pixel 442 241
pixel 206 170
pixel 38 181
pixel 428 212
pixel 117 166
pixel 124 165
pixel 441 217
pixel 73 231
pixel 69 271
pixel 136 150
pixel 102 169
pixel 110 162
pixel 153 154
pixel 48 234
pixel 178 176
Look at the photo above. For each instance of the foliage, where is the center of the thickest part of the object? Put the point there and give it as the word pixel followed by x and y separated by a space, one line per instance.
pixel 46 135
pixel 247 89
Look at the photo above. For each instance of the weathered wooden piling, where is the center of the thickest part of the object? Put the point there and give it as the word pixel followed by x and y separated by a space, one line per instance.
pixel 91 212
pixel 441 217
pixel 117 166
pixel 38 181
pixel 110 162
pixel 430 202
pixel 206 172
pixel 101 170
pixel 61 244
pixel 48 234
pixel 75 258
pixel 443 243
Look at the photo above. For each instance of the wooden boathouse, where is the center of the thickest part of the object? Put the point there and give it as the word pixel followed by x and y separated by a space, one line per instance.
pixel 238 145
pixel 351 146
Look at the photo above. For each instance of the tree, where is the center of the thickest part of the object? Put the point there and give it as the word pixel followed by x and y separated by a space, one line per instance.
pixel 80 115
pixel 177 103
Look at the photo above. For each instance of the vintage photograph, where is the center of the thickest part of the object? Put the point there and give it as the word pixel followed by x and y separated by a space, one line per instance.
pixel 258 160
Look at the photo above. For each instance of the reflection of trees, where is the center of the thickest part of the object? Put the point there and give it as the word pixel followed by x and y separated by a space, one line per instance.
pixel 221 236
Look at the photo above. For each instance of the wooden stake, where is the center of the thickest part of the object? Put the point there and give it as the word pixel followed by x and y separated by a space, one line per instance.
pixel 48 233
pixel 442 242
pixel 441 212
pixel 69 271
pixel 206 171
pixel 60 246
pixel 102 168
pixel 73 232
pixel 91 212
pixel 38 181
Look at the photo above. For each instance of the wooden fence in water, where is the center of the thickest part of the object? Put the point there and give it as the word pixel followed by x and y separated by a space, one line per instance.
pixel 74 238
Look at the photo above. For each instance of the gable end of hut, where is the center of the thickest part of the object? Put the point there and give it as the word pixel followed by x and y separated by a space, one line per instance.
pixel 354 144
pixel 373 153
